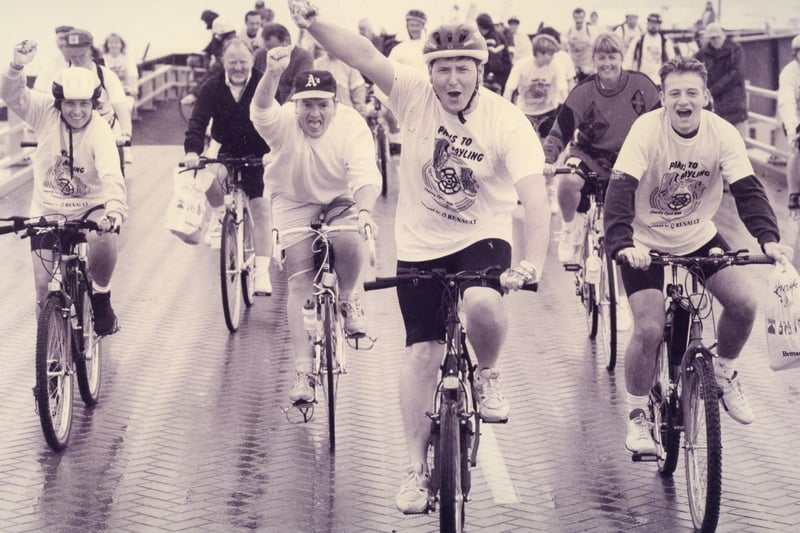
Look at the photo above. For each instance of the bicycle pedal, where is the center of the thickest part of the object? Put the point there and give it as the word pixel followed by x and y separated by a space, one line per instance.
pixel 644 457
pixel 572 267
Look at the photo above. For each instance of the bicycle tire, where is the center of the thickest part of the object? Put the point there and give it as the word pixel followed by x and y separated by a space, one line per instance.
pixel 451 497
pixel 230 280
pixel 329 365
pixel 381 156
pixel 701 421
pixel 248 259
pixel 608 309
pixel 88 351
pixel 665 415
pixel 53 390
pixel 589 291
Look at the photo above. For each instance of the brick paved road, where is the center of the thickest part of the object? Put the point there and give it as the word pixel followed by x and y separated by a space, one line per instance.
pixel 190 434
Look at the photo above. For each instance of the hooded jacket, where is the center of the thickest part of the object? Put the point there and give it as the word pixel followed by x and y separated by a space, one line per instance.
pixel 726 79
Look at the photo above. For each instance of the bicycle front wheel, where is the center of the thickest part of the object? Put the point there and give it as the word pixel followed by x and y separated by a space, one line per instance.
pixel 230 278
pixel 248 258
pixel 703 443
pixel 87 358
pixel 330 364
pixel 665 415
pixel 608 310
pixel 53 390
pixel 451 496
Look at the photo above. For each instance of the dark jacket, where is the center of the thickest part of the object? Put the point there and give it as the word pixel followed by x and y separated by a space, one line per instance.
pixel 232 127
pixel 725 68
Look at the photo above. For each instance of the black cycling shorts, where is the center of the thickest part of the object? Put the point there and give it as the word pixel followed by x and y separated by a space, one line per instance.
pixel 421 304
pixel 635 279
pixel 253 181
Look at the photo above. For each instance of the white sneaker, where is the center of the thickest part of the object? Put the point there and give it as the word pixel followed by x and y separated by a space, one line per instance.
pixel 734 400
pixel 303 388
pixel 492 404
pixel 639 438
pixel 570 239
pixel 415 492
pixel 355 323
pixel 262 285
pixel 214 231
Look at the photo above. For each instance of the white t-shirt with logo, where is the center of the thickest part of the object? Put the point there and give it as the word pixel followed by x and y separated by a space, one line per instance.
pixel 540 88
pixel 457 180
pixel 680 180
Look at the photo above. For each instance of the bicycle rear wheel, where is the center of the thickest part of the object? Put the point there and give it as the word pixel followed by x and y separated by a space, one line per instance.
pixel 608 309
pixel 665 416
pixel 330 364
pixel 87 357
pixel 451 496
pixel 589 291
pixel 230 278
pixel 53 390
pixel 248 259
pixel 703 443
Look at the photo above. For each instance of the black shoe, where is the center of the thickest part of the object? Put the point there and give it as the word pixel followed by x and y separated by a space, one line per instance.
pixel 105 321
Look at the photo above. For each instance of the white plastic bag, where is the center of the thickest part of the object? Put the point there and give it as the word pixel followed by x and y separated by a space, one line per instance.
pixel 782 314
pixel 188 204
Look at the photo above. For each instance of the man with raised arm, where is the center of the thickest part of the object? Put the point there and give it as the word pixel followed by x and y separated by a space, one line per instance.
pixel 322 167
pixel 665 189
pixel 468 155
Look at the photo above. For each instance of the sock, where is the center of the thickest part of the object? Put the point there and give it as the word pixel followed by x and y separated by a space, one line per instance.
pixel 347 295
pixel 637 402
pixel 724 368
pixel 263 262
pixel 99 288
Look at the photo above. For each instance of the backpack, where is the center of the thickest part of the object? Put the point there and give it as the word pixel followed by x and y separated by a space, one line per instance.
pixel 637 52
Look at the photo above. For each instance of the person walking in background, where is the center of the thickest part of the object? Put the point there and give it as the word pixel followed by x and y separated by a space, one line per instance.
pixel 276 35
pixel 629 31
pixel 561 58
pixel 116 58
pixel 499 65
pixel 580 37
pixel 520 40
pixel 789 113
pixel 651 50
pixel 409 52
pixel 724 62
pixel 251 32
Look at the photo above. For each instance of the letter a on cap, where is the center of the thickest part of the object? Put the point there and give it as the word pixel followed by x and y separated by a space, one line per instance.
pixel 312 81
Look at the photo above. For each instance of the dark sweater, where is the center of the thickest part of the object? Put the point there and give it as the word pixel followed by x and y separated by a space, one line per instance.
pixel 232 127
pixel 725 68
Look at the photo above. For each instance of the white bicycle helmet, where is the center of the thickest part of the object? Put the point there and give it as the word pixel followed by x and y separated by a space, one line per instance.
pixel 76 83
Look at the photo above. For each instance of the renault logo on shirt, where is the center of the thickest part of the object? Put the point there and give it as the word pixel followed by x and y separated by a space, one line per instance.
pixel 312 81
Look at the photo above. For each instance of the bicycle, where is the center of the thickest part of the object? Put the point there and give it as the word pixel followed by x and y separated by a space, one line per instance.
pixel 595 274
pixel 321 315
pixel 378 128
pixel 237 258
pixel 455 423
pixel 66 342
pixel 684 396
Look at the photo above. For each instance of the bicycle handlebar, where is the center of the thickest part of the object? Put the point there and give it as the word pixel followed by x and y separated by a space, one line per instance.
pixel 738 257
pixel 31 224
pixel 242 161
pixel 35 144
pixel 323 229
pixel 413 275
pixel 570 169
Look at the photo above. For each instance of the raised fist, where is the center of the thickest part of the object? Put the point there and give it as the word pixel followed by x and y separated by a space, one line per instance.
pixel 278 58
pixel 303 12
pixel 24 52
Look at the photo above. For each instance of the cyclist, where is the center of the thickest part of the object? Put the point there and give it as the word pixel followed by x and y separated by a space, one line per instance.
pixel 469 154
pixel 601 109
pixel 75 168
pixel 224 100
pixel 789 112
pixel 665 189
pixel 322 166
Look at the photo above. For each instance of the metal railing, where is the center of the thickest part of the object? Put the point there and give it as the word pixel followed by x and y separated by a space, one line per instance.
pixel 765 126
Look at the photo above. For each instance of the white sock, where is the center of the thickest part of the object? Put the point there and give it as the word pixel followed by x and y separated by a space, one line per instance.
pixel 99 288
pixel 637 402
pixel 263 262
pixel 347 295
pixel 724 368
